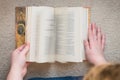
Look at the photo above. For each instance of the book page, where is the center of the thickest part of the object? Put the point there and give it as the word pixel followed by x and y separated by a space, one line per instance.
pixel 84 31
pixel 40 32
pixel 69 33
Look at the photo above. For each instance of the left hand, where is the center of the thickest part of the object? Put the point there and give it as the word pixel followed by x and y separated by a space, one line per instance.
pixel 18 62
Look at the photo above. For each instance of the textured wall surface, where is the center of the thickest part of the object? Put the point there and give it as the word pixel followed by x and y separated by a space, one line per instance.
pixel 106 13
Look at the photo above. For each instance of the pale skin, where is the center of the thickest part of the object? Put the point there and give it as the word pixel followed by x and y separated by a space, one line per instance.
pixel 94 51
pixel 18 63
pixel 94 45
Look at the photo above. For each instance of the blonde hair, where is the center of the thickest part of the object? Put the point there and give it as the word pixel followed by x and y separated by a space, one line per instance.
pixel 104 72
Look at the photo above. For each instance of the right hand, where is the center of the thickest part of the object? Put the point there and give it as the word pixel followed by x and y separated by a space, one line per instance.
pixel 94 45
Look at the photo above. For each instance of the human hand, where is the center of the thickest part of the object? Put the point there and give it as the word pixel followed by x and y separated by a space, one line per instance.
pixel 18 61
pixel 94 45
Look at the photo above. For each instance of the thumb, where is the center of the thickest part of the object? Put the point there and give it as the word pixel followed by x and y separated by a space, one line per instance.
pixel 25 49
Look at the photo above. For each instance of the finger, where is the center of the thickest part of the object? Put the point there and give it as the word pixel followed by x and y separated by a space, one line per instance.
pixel 103 41
pixel 86 44
pixel 94 31
pixel 90 35
pixel 19 49
pixel 27 64
pixel 99 35
pixel 26 49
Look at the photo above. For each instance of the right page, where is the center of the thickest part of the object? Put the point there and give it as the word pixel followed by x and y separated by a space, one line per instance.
pixel 71 30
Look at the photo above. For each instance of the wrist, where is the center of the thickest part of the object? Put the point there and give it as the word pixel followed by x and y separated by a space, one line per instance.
pixel 101 61
pixel 16 69
pixel 15 74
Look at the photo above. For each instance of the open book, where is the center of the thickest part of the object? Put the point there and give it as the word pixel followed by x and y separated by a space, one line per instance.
pixel 56 34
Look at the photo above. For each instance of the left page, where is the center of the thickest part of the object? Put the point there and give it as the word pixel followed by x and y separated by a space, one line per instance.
pixel 40 33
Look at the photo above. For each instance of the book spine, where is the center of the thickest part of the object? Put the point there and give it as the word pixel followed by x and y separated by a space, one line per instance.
pixel 20 15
